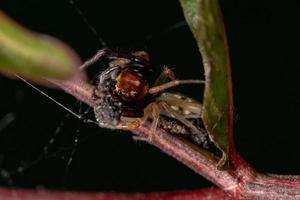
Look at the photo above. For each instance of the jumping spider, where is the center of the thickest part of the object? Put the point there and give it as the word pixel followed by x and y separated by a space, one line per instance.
pixel 125 97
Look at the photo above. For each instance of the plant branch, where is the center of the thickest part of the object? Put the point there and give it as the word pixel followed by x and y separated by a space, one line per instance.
pixel 243 182
pixel 204 194
pixel 79 88
pixel 188 156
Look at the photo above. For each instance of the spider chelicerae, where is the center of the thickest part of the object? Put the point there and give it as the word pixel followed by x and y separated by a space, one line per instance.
pixel 126 98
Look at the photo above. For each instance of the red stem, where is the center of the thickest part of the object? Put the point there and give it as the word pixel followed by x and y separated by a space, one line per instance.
pixel 211 194
pixel 190 157
pixel 78 88
pixel 272 187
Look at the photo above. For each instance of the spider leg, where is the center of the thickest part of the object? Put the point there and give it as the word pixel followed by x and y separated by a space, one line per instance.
pixel 134 122
pixel 165 76
pixel 168 80
pixel 174 83
pixel 186 106
pixel 152 111
pixel 155 119
pixel 102 53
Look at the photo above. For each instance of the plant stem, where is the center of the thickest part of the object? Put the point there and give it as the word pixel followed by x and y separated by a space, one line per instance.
pixel 204 194
pixel 241 183
pixel 272 187
pixel 79 88
pixel 188 156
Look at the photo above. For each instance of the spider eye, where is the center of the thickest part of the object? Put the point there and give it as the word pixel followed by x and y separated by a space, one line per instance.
pixel 131 86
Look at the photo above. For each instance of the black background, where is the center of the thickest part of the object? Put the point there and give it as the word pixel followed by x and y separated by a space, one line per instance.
pixel 264 45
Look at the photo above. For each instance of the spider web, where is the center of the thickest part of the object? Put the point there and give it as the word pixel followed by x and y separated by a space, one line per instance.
pixel 51 147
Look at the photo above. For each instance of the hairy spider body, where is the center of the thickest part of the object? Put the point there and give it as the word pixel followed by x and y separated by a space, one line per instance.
pixel 126 100
pixel 122 90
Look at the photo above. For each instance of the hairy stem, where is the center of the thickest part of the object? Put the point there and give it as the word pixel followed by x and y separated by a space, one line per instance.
pixel 204 194
pixel 241 183
pixel 189 156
